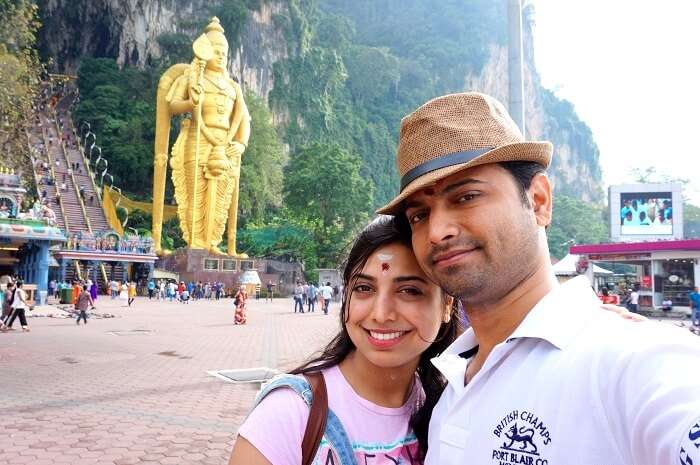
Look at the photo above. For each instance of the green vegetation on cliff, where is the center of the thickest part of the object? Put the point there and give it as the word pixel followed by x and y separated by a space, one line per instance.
pixel 354 69
pixel 19 75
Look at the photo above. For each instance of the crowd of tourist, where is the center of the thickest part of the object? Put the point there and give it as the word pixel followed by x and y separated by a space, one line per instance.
pixel 308 294
pixel 184 292
pixel 109 242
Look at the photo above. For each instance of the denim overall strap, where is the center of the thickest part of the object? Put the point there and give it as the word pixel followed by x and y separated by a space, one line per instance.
pixel 334 436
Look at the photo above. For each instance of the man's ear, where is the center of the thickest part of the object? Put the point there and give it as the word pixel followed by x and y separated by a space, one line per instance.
pixel 540 194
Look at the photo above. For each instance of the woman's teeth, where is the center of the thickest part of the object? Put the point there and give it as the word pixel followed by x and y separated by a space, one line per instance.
pixel 386 336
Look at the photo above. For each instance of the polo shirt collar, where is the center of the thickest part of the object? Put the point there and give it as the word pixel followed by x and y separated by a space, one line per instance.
pixel 556 318
pixel 560 314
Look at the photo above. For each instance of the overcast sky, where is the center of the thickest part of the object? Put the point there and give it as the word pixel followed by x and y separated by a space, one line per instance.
pixel 632 70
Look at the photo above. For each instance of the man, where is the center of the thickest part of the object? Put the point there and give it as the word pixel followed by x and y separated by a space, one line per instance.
pixel 269 291
pixel 114 289
pixel 542 376
pixel 634 300
pixel 52 289
pixel 151 288
pixel 694 298
pixel 82 303
pixel 327 293
pixel 304 293
pixel 311 296
pixel 298 298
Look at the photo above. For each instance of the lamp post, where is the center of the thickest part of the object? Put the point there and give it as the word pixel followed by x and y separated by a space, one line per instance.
pixel 515 64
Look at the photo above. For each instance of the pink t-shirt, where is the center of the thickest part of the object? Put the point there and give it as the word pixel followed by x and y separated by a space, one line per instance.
pixel 379 435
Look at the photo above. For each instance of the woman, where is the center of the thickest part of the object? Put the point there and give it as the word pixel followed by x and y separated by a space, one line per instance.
pixel 76 291
pixel 93 291
pixel 240 301
pixel 380 382
pixel 124 294
pixel 19 305
pixel 132 293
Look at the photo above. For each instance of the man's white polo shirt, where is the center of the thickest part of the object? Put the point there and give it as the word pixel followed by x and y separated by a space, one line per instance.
pixel 574 384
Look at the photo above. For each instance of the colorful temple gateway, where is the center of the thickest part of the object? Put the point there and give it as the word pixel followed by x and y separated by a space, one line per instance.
pixel 61 230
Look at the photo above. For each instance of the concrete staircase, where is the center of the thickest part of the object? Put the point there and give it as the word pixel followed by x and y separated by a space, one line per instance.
pixel 89 210
pixel 44 174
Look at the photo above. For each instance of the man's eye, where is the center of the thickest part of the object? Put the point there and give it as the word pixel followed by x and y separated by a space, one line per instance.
pixel 416 217
pixel 467 197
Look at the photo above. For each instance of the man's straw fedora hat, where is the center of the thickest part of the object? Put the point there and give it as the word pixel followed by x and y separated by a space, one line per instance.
pixel 455 132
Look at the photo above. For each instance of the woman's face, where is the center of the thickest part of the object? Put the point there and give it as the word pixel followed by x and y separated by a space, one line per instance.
pixel 394 311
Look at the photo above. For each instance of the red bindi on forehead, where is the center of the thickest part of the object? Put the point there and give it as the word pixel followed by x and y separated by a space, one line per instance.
pixel 385 267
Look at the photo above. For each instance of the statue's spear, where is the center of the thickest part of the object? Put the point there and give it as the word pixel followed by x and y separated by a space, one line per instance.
pixel 204 52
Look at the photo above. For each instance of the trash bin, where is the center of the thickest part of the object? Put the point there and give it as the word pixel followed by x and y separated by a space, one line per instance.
pixel 42 297
pixel 67 296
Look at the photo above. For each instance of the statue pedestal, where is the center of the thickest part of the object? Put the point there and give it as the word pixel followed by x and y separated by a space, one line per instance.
pixel 201 265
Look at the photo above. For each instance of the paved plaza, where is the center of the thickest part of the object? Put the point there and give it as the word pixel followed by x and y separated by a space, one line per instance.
pixel 134 389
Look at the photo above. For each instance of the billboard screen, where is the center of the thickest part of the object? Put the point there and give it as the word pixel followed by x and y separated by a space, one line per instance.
pixel 646 213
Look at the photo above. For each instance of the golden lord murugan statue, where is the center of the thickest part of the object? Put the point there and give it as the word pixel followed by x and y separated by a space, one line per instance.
pixel 206 157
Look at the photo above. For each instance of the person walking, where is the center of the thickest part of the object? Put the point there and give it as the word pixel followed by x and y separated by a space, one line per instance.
pixel 312 294
pixel 634 300
pixel 132 293
pixel 114 289
pixel 539 364
pixel 298 302
pixel 77 287
pixel 269 291
pixel 18 305
pixel 93 291
pixel 304 294
pixel 82 303
pixel 124 294
pixel 151 287
pixel 327 292
pixel 241 307
pixel 52 289
pixel 7 297
pixel 694 298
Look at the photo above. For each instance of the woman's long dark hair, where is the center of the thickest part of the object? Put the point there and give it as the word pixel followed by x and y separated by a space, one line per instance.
pixel 383 231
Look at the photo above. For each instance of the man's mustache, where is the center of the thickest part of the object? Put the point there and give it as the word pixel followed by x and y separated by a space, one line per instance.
pixel 455 244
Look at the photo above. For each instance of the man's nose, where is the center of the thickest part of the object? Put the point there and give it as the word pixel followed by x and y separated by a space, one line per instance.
pixel 441 225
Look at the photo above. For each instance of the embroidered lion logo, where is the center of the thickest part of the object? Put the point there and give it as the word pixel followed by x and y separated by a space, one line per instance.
pixel 523 435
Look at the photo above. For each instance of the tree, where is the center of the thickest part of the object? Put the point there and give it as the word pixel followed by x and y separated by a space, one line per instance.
pixel 324 189
pixel 20 74
pixel 575 222
pixel 261 168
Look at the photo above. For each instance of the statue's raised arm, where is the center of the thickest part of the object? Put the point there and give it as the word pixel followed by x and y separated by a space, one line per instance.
pixel 206 157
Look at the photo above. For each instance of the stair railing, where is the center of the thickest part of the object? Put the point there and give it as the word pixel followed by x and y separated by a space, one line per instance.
pixel 72 176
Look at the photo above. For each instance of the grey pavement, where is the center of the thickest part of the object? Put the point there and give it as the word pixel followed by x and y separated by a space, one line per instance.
pixel 134 389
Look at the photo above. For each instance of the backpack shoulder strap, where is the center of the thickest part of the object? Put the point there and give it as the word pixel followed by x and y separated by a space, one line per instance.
pixel 318 415
pixel 323 424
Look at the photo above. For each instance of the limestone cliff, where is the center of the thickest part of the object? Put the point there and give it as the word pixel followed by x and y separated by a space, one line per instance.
pixel 128 31
pixel 132 32
pixel 575 166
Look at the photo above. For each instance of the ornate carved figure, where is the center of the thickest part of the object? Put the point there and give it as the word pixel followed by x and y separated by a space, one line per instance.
pixel 206 156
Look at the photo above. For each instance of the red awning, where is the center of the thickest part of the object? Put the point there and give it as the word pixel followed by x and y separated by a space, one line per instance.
pixel 636 247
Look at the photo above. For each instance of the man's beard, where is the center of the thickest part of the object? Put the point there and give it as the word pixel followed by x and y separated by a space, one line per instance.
pixel 494 274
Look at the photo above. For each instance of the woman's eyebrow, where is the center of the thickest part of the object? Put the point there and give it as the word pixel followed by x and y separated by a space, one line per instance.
pixel 401 279
pixel 365 276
